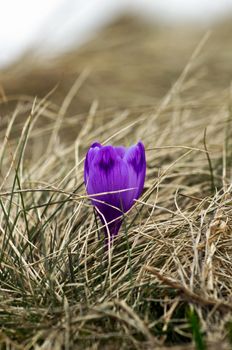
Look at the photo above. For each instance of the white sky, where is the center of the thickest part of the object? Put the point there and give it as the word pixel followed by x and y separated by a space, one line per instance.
pixel 53 25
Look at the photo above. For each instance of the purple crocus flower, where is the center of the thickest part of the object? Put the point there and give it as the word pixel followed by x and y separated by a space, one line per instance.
pixel 114 178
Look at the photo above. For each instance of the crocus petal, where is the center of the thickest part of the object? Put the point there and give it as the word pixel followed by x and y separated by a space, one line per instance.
pixel 89 159
pixel 120 150
pixel 107 173
pixel 136 161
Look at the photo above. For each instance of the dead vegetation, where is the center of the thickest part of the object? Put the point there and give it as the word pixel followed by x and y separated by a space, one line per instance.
pixel 167 280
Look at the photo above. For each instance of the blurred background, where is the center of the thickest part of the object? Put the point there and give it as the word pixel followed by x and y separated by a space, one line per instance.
pixel 130 51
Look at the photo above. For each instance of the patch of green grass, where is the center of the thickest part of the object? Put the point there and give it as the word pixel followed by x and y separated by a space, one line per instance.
pixel 197 333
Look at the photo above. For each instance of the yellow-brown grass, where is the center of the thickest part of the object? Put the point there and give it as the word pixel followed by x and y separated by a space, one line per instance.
pixel 167 279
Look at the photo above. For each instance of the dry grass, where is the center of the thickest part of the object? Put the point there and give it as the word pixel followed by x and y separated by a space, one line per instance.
pixel 167 280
